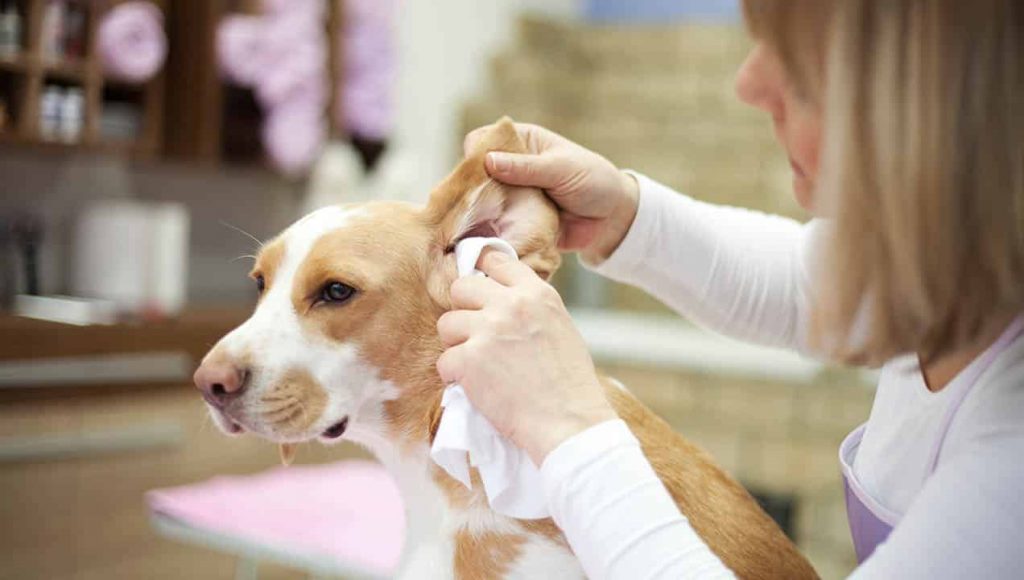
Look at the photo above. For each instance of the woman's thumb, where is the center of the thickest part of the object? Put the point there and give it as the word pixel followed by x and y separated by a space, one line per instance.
pixel 523 169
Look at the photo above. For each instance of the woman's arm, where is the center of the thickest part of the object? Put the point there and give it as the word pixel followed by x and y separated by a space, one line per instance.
pixel 735 271
pixel 617 515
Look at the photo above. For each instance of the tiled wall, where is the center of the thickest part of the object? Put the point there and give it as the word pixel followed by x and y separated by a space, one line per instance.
pixel 776 438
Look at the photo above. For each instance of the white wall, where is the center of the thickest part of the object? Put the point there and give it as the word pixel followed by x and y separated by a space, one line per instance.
pixel 445 48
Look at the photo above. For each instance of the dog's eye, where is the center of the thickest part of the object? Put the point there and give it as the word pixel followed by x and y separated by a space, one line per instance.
pixel 261 283
pixel 336 292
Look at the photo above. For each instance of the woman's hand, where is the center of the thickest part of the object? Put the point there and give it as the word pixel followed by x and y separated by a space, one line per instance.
pixel 598 201
pixel 514 349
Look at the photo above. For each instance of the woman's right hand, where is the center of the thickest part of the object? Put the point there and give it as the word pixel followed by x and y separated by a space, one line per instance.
pixel 598 202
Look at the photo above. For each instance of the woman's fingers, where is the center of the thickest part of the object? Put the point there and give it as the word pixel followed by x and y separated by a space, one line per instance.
pixel 548 170
pixel 542 166
pixel 502 269
pixel 473 292
pixel 455 327
pixel 450 365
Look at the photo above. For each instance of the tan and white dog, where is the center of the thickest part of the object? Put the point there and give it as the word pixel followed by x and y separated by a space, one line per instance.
pixel 343 346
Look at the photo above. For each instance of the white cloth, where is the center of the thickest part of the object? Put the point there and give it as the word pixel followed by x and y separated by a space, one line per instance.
pixel 511 481
pixel 744 274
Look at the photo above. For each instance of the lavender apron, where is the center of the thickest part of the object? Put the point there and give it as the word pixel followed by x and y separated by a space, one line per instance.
pixel 870 521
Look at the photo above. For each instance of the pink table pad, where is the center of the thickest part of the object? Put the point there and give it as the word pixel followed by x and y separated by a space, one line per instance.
pixel 350 511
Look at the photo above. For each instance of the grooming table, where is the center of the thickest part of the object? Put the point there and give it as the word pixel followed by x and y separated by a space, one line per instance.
pixel 344 519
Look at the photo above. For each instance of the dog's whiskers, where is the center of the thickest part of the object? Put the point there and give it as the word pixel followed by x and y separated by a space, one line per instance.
pixel 243 232
pixel 283 414
pixel 279 414
pixel 272 409
pixel 205 422
pixel 302 410
pixel 291 413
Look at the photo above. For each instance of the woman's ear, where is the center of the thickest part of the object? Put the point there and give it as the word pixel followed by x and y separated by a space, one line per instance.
pixel 468 203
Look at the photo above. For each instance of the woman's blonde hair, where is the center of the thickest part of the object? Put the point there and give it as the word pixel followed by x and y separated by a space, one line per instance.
pixel 922 169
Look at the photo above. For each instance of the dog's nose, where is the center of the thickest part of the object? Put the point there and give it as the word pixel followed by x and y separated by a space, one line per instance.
pixel 220 382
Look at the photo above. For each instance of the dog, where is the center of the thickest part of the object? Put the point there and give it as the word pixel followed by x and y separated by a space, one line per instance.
pixel 342 345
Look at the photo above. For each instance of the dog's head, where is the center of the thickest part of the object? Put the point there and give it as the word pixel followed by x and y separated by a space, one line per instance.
pixel 343 339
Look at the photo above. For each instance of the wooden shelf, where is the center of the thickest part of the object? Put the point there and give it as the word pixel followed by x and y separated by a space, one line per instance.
pixel 207 126
pixel 29 73
pixel 19 63
pixel 112 146
pixel 213 122
pixel 193 331
pixel 69 70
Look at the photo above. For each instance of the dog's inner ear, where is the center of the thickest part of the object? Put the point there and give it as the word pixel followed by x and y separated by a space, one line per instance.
pixel 488 229
pixel 521 216
pixel 468 203
pixel 476 215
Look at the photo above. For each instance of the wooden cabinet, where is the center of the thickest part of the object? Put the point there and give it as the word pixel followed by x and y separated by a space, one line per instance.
pixel 216 122
pixel 188 111
pixel 27 74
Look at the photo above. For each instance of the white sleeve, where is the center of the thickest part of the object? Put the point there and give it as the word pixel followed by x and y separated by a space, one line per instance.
pixel 738 272
pixel 967 522
pixel 617 515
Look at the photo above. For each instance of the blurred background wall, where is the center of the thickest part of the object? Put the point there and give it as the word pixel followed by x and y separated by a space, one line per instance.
pixel 446 49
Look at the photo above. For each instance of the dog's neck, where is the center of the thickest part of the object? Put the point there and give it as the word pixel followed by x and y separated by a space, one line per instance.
pixel 410 466
pixel 437 507
pixel 398 427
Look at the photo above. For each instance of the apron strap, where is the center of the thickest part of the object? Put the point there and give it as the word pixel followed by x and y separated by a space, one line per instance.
pixel 968 381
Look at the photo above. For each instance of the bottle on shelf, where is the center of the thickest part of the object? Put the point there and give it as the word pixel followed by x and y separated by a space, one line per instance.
pixel 10 30
pixel 52 33
pixel 74 31
pixel 50 106
pixel 72 115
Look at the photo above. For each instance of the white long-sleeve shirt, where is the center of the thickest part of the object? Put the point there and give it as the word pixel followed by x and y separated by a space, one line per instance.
pixel 745 274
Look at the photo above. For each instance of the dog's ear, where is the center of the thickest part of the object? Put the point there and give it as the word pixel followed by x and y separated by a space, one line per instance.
pixel 468 203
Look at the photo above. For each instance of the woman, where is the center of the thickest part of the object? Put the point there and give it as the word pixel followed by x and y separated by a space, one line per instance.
pixel 904 123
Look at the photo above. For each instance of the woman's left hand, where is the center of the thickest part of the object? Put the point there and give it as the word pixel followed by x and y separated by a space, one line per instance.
pixel 514 349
